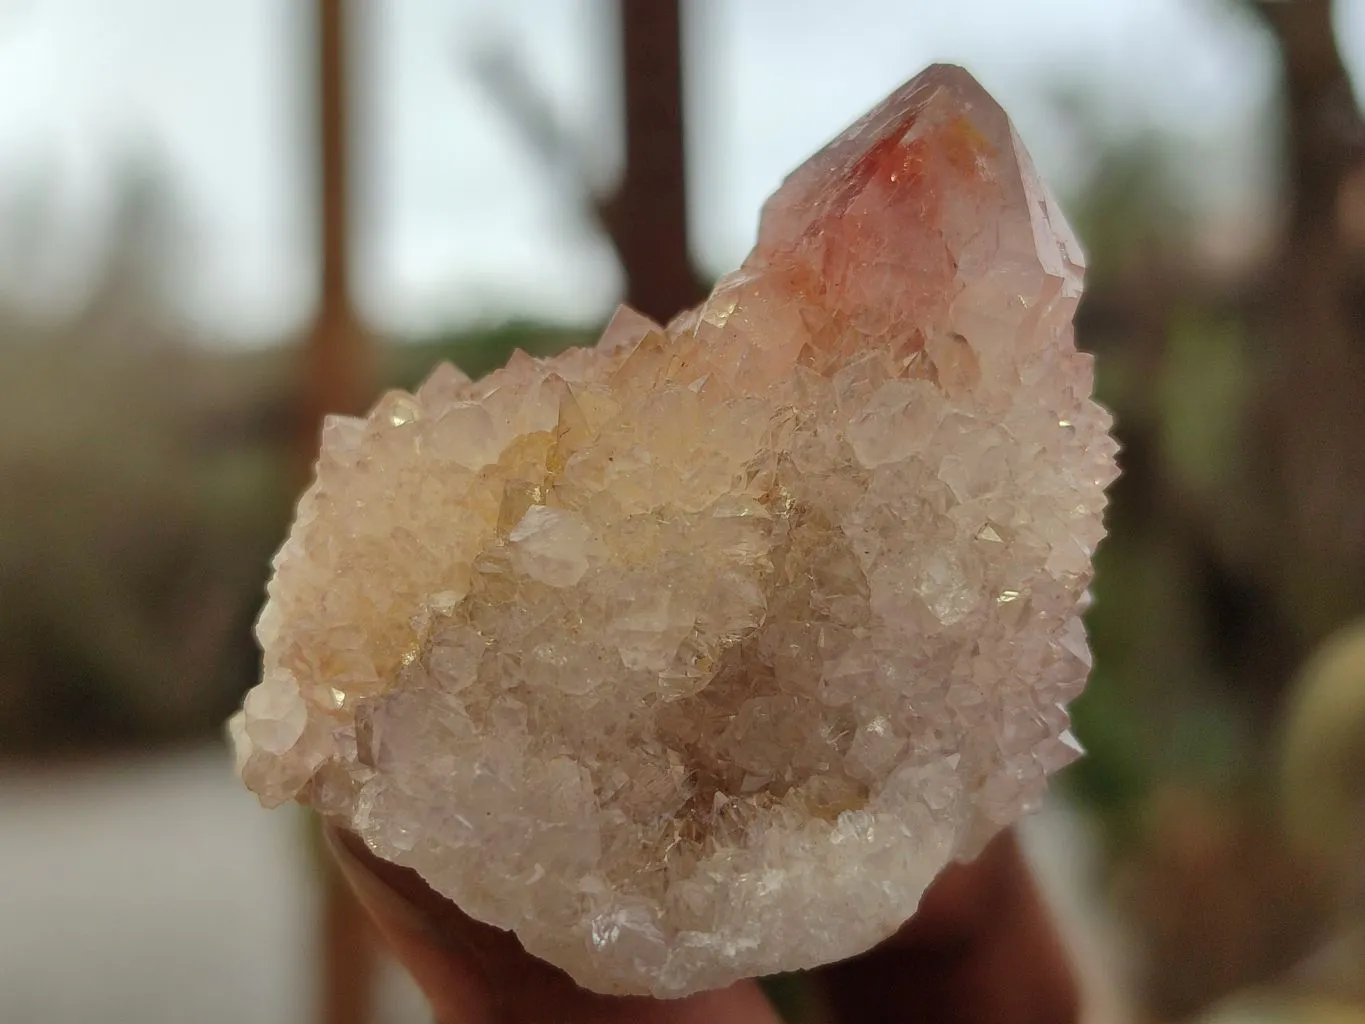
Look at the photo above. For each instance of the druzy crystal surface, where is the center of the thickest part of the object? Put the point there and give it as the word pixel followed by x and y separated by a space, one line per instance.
pixel 698 654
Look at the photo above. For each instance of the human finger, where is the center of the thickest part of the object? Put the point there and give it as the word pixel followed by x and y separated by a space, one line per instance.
pixel 983 947
pixel 473 973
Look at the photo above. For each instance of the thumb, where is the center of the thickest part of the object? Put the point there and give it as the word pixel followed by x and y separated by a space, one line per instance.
pixel 473 973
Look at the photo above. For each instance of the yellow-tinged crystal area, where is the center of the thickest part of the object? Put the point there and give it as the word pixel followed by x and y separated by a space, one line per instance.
pixel 698 654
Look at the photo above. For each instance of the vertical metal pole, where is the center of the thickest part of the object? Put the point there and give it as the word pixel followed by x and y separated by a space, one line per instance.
pixel 648 214
pixel 337 364
pixel 337 379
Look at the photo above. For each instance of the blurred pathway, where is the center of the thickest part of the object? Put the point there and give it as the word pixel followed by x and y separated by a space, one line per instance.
pixel 154 890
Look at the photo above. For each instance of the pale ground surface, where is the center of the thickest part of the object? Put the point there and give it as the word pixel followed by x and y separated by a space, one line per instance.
pixel 155 890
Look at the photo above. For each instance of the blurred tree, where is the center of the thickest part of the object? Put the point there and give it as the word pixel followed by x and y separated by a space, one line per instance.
pixel 645 215
pixel 1238 536
pixel 27 214
pixel 130 544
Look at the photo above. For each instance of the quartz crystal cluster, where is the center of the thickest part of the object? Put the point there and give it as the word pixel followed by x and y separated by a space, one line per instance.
pixel 698 654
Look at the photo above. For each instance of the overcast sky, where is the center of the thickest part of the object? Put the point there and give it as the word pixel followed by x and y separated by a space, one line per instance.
pixel 461 222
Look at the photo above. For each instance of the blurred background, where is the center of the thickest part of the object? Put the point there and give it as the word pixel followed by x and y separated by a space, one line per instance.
pixel 221 218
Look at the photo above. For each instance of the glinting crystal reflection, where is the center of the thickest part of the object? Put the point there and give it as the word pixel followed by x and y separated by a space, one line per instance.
pixel 698 654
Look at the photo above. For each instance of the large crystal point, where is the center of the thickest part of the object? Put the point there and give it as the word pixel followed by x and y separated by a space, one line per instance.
pixel 698 654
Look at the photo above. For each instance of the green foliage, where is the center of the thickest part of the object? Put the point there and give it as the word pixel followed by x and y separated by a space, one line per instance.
pixel 133 543
pixel 1114 778
pixel 480 350
pixel 1130 200
pixel 1201 400
pixel 791 997
pixel 1157 708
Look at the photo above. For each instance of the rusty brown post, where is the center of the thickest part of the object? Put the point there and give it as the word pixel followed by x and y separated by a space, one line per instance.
pixel 647 216
pixel 337 364
pixel 337 378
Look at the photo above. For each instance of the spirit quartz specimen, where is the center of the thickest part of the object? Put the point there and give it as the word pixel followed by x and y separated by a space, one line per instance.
pixel 698 654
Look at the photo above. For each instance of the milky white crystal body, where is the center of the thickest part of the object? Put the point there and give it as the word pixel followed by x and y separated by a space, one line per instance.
pixel 697 655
